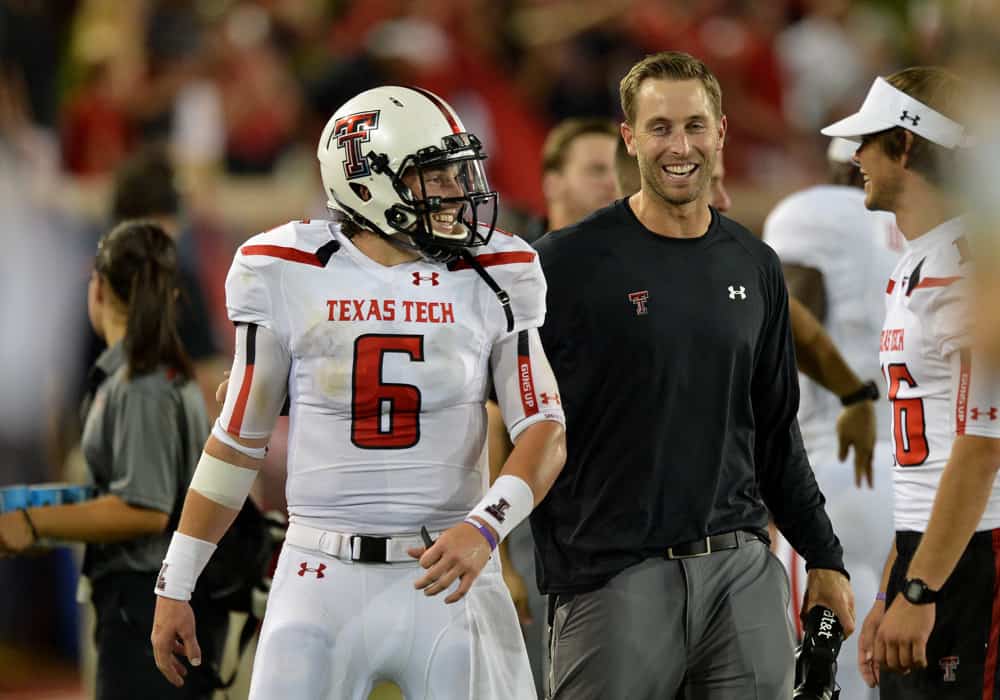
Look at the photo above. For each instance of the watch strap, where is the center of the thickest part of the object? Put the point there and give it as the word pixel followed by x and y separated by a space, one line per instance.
pixel 867 392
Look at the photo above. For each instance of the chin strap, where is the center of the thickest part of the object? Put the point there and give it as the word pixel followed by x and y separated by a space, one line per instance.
pixel 503 296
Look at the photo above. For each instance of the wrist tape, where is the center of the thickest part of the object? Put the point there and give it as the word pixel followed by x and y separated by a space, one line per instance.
pixel 222 482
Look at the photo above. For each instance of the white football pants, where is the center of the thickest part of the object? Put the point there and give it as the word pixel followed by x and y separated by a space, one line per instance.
pixel 334 629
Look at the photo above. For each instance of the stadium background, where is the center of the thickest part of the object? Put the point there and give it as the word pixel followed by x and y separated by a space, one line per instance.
pixel 238 91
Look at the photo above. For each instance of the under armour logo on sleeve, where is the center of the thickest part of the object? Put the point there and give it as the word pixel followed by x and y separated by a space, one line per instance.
pixel 914 118
pixel 737 292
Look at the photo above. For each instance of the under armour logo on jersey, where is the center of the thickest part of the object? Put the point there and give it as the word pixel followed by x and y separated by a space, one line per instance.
pixel 318 570
pixel 976 413
pixel 499 510
pixel 948 664
pixel 639 299
pixel 914 118
pixel 432 278
pixel 737 292
pixel 546 398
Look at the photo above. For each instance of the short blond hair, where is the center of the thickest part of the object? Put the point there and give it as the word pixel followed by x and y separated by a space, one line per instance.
pixel 668 65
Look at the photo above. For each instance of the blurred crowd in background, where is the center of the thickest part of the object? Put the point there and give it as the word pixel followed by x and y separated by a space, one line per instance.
pixel 235 94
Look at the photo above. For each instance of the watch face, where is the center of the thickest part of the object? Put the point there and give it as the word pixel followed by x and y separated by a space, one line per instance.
pixel 915 591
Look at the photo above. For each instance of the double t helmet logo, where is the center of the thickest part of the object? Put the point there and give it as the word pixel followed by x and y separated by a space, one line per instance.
pixel 352 131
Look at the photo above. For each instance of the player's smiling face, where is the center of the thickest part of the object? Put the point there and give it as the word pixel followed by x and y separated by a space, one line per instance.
pixel 439 182
pixel 882 175
pixel 676 138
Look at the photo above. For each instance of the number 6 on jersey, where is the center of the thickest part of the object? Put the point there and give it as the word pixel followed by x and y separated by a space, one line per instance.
pixel 384 416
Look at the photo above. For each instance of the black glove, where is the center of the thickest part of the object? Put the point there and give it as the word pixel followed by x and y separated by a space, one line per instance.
pixel 816 657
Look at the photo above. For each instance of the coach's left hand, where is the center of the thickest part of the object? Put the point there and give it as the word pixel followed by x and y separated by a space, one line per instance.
pixel 832 589
pixel 901 642
pixel 460 552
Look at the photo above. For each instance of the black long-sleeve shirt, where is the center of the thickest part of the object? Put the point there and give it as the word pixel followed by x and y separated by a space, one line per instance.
pixel 677 374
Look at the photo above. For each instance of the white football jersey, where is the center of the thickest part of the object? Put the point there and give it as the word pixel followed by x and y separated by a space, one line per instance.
pixel 936 387
pixel 828 228
pixel 387 372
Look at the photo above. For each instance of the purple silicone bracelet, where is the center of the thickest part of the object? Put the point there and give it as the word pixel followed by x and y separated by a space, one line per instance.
pixel 485 532
pixel 880 596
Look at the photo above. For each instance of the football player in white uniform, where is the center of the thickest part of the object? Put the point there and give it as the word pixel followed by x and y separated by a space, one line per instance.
pixel 941 586
pixel 385 327
pixel 837 256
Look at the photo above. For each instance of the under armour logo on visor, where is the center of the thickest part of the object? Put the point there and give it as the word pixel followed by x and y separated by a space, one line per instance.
pixel 737 292
pixel 639 299
pixel 318 570
pixel 914 118
pixel 432 278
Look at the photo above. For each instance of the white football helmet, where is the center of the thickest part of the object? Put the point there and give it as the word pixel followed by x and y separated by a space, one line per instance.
pixel 384 134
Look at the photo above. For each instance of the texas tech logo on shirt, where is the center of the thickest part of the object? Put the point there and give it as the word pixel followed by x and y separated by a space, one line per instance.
pixel 352 131
pixel 948 665
pixel 639 299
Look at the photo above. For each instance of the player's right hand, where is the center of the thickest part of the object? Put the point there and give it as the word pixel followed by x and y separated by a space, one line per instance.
pixel 174 636
pixel 460 552
pixel 866 644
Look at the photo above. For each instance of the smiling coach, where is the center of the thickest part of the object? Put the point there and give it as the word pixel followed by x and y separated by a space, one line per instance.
pixel 668 329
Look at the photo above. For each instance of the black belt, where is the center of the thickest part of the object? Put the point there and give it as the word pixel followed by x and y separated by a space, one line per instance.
pixel 707 545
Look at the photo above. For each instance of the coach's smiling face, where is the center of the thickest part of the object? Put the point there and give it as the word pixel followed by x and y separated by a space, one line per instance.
pixel 676 138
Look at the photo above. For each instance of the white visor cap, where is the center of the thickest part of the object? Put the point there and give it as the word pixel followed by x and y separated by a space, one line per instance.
pixel 886 107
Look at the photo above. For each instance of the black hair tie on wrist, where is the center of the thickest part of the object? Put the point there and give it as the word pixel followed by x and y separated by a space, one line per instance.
pixel 31 525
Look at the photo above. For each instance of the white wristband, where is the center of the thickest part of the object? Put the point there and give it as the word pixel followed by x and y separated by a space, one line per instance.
pixel 508 502
pixel 186 559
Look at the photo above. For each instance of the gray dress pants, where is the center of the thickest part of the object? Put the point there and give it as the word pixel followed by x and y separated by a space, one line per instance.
pixel 708 628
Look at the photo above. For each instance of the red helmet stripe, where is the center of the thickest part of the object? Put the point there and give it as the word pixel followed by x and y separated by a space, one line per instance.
pixel 439 103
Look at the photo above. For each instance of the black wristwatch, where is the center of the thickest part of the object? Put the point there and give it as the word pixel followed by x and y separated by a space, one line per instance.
pixel 867 392
pixel 918 593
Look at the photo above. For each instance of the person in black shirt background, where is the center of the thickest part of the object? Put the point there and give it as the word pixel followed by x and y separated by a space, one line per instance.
pixel 668 328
